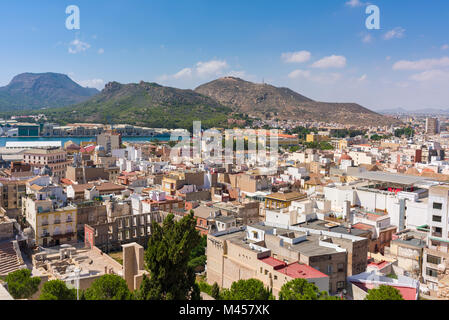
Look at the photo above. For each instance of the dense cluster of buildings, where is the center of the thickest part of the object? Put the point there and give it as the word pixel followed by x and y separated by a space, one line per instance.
pixel 349 219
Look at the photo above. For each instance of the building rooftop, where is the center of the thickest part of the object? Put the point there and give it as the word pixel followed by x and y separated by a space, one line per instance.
pixel 298 270
pixel 389 177
pixel 45 151
pixel 287 196
pixel 225 219
pixel 33 144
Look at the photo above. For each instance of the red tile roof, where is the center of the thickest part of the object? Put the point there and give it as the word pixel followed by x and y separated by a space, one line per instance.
pixel 66 181
pixel 87 149
pixel 378 265
pixel 363 226
pixel 406 292
pixel 295 270
pixel 275 263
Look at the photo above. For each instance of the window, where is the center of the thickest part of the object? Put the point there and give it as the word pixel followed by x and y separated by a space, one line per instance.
pixel 436 218
pixel 341 267
pixel 437 232
pixel 432 272
pixel 433 259
pixel 341 285
pixel 329 269
pixel 437 206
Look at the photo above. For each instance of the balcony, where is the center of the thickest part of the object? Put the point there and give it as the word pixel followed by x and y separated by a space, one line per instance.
pixel 437 234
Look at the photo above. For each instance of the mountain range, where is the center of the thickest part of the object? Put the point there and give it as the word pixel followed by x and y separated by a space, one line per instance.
pixel 42 90
pixel 269 102
pixel 154 105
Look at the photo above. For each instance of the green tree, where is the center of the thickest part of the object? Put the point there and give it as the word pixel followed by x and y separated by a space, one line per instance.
pixel 21 285
pixel 108 287
pixel 167 258
pixel 198 255
pixel 57 290
pixel 215 292
pixel 251 289
pixel 301 289
pixel 407 132
pixel 384 293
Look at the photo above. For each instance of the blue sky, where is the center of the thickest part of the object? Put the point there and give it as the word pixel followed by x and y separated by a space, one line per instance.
pixel 318 48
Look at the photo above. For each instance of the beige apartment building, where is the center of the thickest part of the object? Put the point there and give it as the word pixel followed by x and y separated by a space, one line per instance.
pixel 244 253
pixel 11 193
pixel 110 140
pixel 55 159
pixel 86 174
pixel 176 180
pixel 246 182
pixel 52 226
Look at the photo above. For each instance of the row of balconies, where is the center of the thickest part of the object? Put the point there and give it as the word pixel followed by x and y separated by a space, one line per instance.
pixel 57 221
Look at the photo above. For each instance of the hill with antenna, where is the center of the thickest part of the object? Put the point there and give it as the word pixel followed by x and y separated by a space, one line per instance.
pixel 269 102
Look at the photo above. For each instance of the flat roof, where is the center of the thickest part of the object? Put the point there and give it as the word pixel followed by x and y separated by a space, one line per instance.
pixel 32 144
pixel 389 177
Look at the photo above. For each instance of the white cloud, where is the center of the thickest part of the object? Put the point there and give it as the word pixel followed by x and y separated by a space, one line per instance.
pixel 100 51
pixel 424 64
pixel 323 78
pixel 445 47
pixel 430 75
pixel 186 72
pixel 362 78
pixel 77 46
pixel 330 62
pixel 354 3
pixel 201 70
pixel 237 74
pixel 367 38
pixel 92 83
pixel 296 57
pixel 210 68
pixel 397 33
pixel 299 74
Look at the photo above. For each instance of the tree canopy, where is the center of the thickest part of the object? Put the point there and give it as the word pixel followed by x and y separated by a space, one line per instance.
pixel 57 290
pixel 301 289
pixel 384 292
pixel 198 255
pixel 167 259
pixel 108 287
pixel 21 285
pixel 408 132
pixel 251 289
